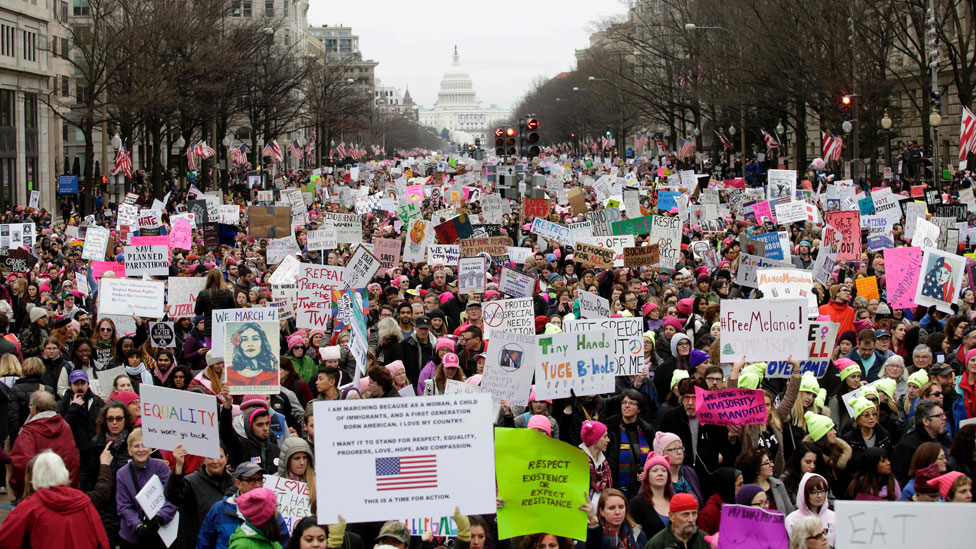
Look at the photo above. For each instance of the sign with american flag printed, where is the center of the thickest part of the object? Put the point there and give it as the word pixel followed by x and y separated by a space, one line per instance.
pixel 402 473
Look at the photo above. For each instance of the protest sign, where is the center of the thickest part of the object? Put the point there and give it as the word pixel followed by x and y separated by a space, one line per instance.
pixel 471 275
pixel 788 284
pixel 171 417
pixel 746 526
pixel 315 285
pixel 104 381
pixel 122 296
pixel 151 499
pixel 552 231
pixel 580 362
pixel 780 183
pixel 251 357
pixel 146 260
pixel 492 245
pixel 594 256
pixel 280 248
pixel 453 229
pixel 17 260
pixel 229 214
pixel 730 407
pixel 666 233
pixel 162 334
pixel 940 279
pixel 791 212
pixel 181 235
pixel 602 221
pixel 285 272
pixel 322 239
pixel 387 251
pixel 636 226
pixel 516 283
pixel 592 305
pixel 543 482
pixel 348 227
pixel 903 524
pixel 96 241
pixel 848 224
pixel 749 265
pixel 763 330
pixel 264 221
pixel 158 240
pixel 534 207
pixel 420 235
pixel 821 337
pixel 508 315
pixel 642 255
pixel 577 200
pixel 440 527
pixel 880 233
pixel 867 287
pixel 628 339
pixel 361 268
pixel 376 441
pixel 509 364
pixel 293 499
pixel 616 243
pixel 220 317
pixel 446 254
pixel 774 245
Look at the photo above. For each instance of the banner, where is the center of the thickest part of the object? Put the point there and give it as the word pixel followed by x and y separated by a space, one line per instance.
pixel 361 267
pixel 146 260
pixel 821 337
pixel 293 499
pixel 745 526
pixel 419 237
pixel 543 482
pixel 171 417
pixel 730 407
pixel 251 357
pixel 763 330
pixel 592 305
pixel 182 294
pixel 509 365
pixel 123 296
pixel 581 363
pixel 628 340
pixel 516 283
pixel 315 286
pixel 392 457
pixel 508 315
pixel 789 284
pixel 220 317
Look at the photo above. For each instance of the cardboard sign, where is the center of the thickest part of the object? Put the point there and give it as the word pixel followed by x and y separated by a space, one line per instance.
pixel 745 526
pixel 821 337
pixel 628 342
pixel 594 256
pixel 361 267
pixel 582 363
pixel 509 363
pixel 730 407
pixel 171 417
pixel 122 296
pixel 492 245
pixel 577 200
pixel 642 255
pixel 315 286
pixel 377 483
pixel 543 482
pixel 267 221
pixel 293 499
pixel 471 275
pixel 251 357
pixel 516 283
pixel 762 330
pixel 613 243
pixel 592 305
pixel 182 294
pixel 162 334
pixel 146 260
pixel 508 315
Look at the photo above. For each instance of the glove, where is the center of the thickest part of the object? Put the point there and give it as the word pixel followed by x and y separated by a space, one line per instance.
pixel 155 523
pixel 337 534
pixel 463 524
pixel 144 533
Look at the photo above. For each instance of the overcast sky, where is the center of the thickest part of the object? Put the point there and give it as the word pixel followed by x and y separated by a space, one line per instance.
pixel 414 41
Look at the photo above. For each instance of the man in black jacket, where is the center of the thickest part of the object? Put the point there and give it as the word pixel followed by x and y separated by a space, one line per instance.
pixel 80 408
pixel 930 426
pixel 259 446
pixel 418 349
pixel 629 437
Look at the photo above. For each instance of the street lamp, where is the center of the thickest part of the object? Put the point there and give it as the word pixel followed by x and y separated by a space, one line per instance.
pixel 935 119
pixel 886 126
pixel 180 143
pixel 779 127
pixel 731 130
pixel 116 144
pixel 847 126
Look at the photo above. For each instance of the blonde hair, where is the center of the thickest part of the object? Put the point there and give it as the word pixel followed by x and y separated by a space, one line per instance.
pixel 10 366
pixel 33 366
pixel 134 436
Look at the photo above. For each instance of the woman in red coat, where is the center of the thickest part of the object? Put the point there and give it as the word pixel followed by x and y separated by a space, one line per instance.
pixel 55 515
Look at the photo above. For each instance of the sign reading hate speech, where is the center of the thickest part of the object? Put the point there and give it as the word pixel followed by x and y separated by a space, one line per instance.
pixel 628 341
pixel 542 482
pixel 171 417
pixel 730 407
pixel 764 329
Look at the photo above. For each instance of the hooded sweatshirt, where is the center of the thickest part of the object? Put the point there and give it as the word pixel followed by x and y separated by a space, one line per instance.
pixel 44 430
pixel 827 517
pixel 55 517
pixel 662 375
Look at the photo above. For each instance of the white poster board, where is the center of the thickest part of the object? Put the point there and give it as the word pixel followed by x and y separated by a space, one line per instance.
pixel 508 315
pixel 293 499
pixel 902 524
pixel 361 268
pixel 181 295
pixel 762 330
pixel 509 366
pixel 146 260
pixel 314 295
pixel 171 417
pixel 581 363
pixel 628 340
pixel 122 296
pixel 592 305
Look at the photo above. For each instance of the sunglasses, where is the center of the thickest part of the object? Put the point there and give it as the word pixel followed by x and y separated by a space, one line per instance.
pixel 114 419
pixel 671 313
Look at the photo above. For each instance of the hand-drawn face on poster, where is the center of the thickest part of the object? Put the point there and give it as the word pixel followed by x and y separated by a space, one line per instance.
pixel 251 356
pixel 941 279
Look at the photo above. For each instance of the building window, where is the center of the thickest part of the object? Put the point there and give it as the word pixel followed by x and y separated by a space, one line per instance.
pixel 30 110
pixel 7 40
pixel 6 108
pixel 81 7
pixel 65 87
pixel 30 45
pixel 64 11
pixel 64 47
pixel 54 47
pixel 242 8
pixel 286 8
pixel 269 8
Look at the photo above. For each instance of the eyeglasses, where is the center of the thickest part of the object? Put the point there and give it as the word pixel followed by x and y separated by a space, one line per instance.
pixel 763 504
pixel 818 492
pixel 628 403
pixel 935 394
pixel 819 536
pixel 713 379
pixel 678 450
pixel 937 416
pixel 255 480
pixel 114 419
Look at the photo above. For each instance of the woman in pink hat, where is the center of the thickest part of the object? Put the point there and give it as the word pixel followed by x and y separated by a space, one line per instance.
pixel 450 368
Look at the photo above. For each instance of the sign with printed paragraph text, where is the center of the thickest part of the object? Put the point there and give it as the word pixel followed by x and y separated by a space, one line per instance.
pixel 762 330
pixel 127 297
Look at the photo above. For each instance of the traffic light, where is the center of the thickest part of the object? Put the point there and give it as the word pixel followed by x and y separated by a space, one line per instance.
pixel 937 101
pixel 530 136
pixel 510 149
pixel 609 132
pixel 499 142
pixel 846 101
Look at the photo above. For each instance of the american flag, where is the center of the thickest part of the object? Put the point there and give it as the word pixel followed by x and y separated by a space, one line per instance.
pixel 238 155
pixel 687 146
pixel 295 148
pixel 832 147
pixel 202 150
pixel 726 143
pixel 606 143
pixel 406 472
pixel 191 159
pixel 967 135
pixel 123 162
pixel 771 142
pixel 273 151
pixel 661 145
pixel 310 146
pixel 341 150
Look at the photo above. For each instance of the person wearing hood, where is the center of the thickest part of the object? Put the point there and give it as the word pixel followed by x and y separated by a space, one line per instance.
pixel 135 528
pixel 839 309
pixel 80 407
pixel 197 492
pixel 258 444
pixel 44 429
pixel 835 453
pixel 56 515
pixel 811 500
pixel 224 517
pixel 194 349
pixel 296 462
pixel 595 442
pixel 136 369
pixel 727 482
pixel 680 360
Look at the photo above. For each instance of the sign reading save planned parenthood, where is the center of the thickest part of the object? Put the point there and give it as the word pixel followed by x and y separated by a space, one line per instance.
pixel 762 330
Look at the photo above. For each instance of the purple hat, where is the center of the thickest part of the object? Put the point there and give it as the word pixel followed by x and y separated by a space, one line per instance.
pixel 77 375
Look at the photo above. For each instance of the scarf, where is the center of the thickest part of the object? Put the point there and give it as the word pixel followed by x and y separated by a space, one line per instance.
pixel 630 454
pixel 141 371
pixel 622 539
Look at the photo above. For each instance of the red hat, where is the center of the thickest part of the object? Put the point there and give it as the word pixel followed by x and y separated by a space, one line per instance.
pixel 683 502
pixel 541 321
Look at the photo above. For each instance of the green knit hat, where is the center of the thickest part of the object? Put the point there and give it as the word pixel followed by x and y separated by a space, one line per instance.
pixel 919 378
pixel 887 386
pixel 677 376
pixel 859 405
pixel 870 390
pixel 821 398
pixel 817 425
pixel 752 375
pixel 809 384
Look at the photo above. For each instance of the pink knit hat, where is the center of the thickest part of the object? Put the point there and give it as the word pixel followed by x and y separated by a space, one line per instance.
pixel 445 297
pixel 254 400
pixel 395 366
pixel 294 341
pixel 127 397
pixel 673 322
pixel 661 442
pixel 655 458
pixel 945 481
pixel 444 343
pixel 257 506
pixel 592 431
pixel 648 307
pixel 540 422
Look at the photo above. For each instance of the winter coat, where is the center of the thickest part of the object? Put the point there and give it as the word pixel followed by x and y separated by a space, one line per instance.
pixel 81 419
pixel 645 515
pixel 876 369
pixel 193 343
pixel 780 496
pixel 905 449
pixel 663 373
pixel 130 512
pixel 305 367
pixel 416 354
pixel 195 494
pixel 221 523
pixel 206 303
pixel 32 340
pixel 835 471
pixel 856 440
pixel 666 540
pixel 613 451
pixel 91 464
pixel 839 312
pixel 247 448
pixel 827 517
pixel 44 430
pixel 54 517
pixel 52 370
pixel 248 537
pixel 20 402
pixel 713 440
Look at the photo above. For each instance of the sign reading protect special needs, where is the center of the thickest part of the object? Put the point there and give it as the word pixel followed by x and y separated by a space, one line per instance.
pixel 508 315
pixel 764 329
pixel 398 452
pixel 171 417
